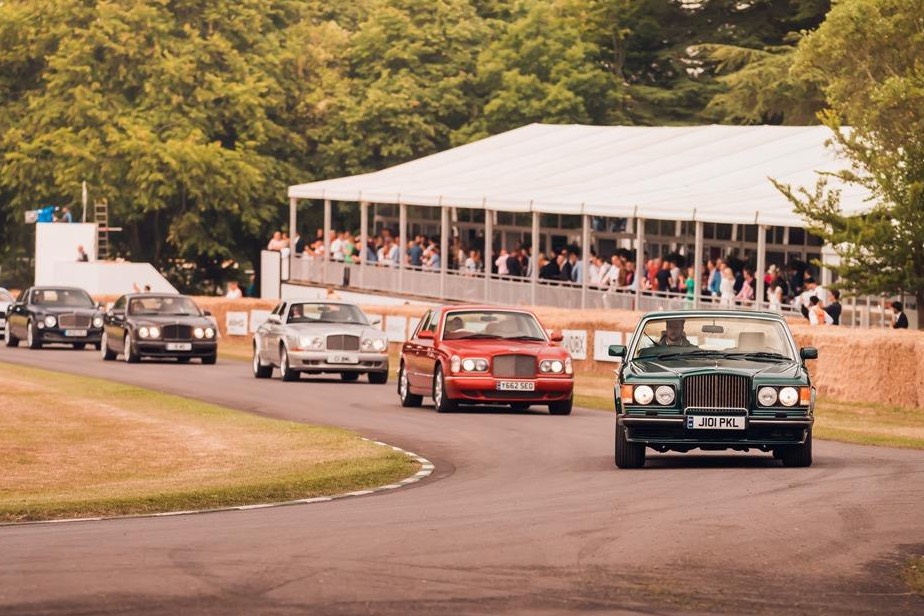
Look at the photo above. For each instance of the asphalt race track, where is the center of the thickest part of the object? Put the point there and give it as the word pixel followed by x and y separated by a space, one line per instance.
pixel 525 513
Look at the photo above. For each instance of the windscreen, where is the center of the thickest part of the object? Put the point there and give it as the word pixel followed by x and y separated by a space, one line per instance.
pixel 720 335
pixel 492 324
pixel 61 298
pixel 327 313
pixel 173 305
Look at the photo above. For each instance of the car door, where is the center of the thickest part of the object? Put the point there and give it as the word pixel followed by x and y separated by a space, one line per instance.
pixel 19 315
pixel 412 352
pixel 271 333
pixel 424 352
pixel 114 323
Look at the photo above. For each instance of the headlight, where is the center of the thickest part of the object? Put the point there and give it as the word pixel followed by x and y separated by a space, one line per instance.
pixel 154 332
pixel 789 396
pixel 644 394
pixel 767 396
pixel 199 333
pixel 455 363
pixel 664 394
pixel 551 366
pixel 372 344
pixel 143 332
pixel 311 343
pixel 475 365
pixel 97 321
pixel 209 332
pixel 50 321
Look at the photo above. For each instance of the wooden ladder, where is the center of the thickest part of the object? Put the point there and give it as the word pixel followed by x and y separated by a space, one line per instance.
pixel 101 215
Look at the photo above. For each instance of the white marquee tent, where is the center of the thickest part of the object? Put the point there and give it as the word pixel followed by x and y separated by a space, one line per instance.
pixel 697 173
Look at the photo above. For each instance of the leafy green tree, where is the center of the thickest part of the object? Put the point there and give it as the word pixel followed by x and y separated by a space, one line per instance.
pixel 868 54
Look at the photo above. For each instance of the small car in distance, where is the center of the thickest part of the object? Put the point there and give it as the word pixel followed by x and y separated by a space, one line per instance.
pixel 318 337
pixel 485 355
pixel 713 380
pixel 162 325
pixel 53 315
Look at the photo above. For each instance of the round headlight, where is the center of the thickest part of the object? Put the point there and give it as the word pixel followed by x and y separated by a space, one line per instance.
pixel 305 342
pixel 317 343
pixel 97 321
pixel 789 396
pixel 143 332
pixel 209 332
pixel 481 365
pixel 664 394
pixel 199 333
pixel 378 344
pixel 644 394
pixel 545 365
pixel 767 396
pixel 468 365
pixel 50 321
pixel 154 331
pixel 557 366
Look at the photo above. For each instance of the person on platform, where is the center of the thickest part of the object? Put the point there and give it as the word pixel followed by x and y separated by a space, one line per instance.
pixel 82 254
pixel 234 290
pixel 899 318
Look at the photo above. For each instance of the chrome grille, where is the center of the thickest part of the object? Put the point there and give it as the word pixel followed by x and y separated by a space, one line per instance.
pixel 514 366
pixel 716 391
pixel 74 320
pixel 341 342
pixel 176 332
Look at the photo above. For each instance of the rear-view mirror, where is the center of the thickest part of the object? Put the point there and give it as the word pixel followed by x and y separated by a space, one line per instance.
pixel 617 350
pixel 426 334
pixel 808 353
pixel 713 329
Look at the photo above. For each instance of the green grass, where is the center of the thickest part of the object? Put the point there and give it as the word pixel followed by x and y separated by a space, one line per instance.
pixel 913 575
pixel 80 447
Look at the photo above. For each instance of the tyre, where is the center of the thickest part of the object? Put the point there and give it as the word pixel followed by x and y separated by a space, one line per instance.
pixel 32 337
pixel 628 455
pixel 378 378
pixel 79 346
pixel 404 390
pixel 211 360
pixel 349 377
pixel 8 338
pixel 260 370
pixel 183 360
pixel 440 400
pixel 105 352
pixel 128 350
pixel 519 406
pixel 796 456
pixel 97 345
pixel 286 373
pixel 562 408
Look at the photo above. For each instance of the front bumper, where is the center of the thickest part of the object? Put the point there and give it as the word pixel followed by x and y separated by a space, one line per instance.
pixel 484 389
pixel 158 348
pixel 53 335
pixel 758 432
pixel 332 361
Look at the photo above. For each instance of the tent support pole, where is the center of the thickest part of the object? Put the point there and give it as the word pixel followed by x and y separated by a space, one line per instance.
pixel 363 241
pixel 293 222
pixel 585 257
pixel 761 265
pixel 698 265
pixel 444 249
pixel 402 235
pixel 534 252
pixel 639 260
pixel 488 253
pixel 327 241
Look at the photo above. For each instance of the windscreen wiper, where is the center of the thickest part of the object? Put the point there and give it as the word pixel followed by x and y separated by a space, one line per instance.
pixel 525 338
pixel 694 353
pixel 758 355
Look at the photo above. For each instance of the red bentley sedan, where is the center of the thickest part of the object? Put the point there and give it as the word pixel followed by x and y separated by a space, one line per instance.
pixel 485 355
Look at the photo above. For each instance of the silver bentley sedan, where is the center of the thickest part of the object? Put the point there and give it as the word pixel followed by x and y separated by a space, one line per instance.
pixel 318 337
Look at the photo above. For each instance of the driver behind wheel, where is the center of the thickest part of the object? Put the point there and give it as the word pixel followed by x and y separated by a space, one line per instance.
pixel 674 335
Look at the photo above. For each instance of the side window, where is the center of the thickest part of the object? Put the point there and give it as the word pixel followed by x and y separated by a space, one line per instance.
pixel 120 304
pixel 22 296
pixel 434 321
pixel 279 309
pixel 424 323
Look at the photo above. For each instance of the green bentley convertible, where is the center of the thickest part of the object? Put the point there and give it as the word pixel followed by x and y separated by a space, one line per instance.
pixel 713 380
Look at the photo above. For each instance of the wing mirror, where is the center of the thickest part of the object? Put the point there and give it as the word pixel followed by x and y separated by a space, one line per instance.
pixel 808 353
pixel 273 318
pixel 426 334
pixel 375 320
pixel 207 313
pixel 617 350
pixel 556 336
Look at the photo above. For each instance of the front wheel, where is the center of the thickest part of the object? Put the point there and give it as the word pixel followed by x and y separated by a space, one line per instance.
pixel 260 370
pixel 561 408
pixel 349 377
pixel 796 456
pixel 32 338
pixel 378 378
pixel 128 350
pixel 8 338
pixel 440 400
pixel 286 373
pixel 210 360
pixel 404 390
pixel 628 455
pixel 79 346
pixel 105 352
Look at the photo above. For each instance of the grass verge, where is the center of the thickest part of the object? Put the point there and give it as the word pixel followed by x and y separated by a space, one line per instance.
pixel 848 422
pixel 913 575
pixel 79 447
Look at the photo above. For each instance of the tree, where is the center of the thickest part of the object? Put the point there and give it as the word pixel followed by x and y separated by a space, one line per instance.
pixel 868 56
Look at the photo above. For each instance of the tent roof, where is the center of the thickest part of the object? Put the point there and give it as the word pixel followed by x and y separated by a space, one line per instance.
pixel 705 173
